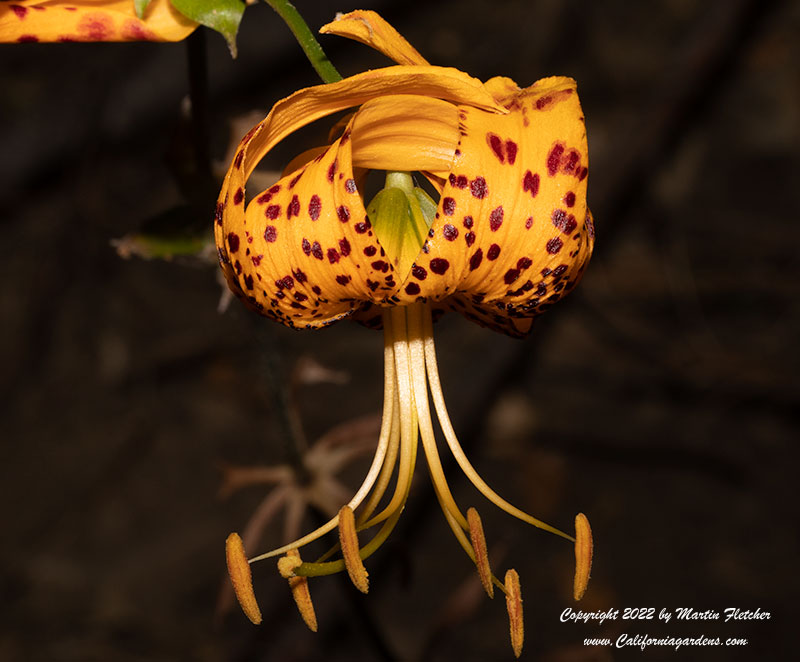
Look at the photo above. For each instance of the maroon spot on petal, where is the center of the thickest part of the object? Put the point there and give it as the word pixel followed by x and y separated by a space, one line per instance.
pixel 496 144
pixel 272 211
pixel 248 281
pixel 468 222
pixel 295 179
pixel 543 102
pixel 237 161
pixel 19 11
pixel 530 182
pixel 264 198
pixel 554 245
pixel 299 296
pixel 218 213
pixel 511 151
pixel 523 263
pixel 469 238
pixel 419 272
pixel 372 285
pixel 343 213
pixel 461 181
pixel 439 265
pixel 510 276
pixel 554 158
pixel 306 244
pixel 300 276
pixel 316 289
pixel 412 288
pixel 344 247
pixel 238 196
pixel 233 242
pixel 452 179
pixel 95 27
pixel 475 260
pixel 582 175
pixel 448 206
pixel 571 161
pixel 333 255
pixel 238 266
pixel 314 207
pixel 361 228
pixel 450 232
pixel 546 272
pixel 478 188
pixel 271 235
pixel 287 282
pixel 316 250
pixel 541 289
pixel 559 271
pixel 569 199
pixel 380 265
pixel 27 39
pixel 332 170
pixel 493 252
pixel 350 185
pixel 369 251
pixel 342 279
pixel 496 218
pixel 529 223
pixel 293 208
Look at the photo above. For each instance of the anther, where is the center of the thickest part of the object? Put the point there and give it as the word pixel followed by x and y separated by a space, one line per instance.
pixel 300 592
pixel 242 580
pixel 514 607
pixel 350 550
pixel 584 549
pixel 481 553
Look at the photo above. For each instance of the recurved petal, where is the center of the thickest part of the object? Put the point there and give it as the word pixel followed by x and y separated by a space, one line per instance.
pixel 406 133
pixel 369 28
pixel 304 252
pixel 84 20
pixel 513 233
pixel 239 243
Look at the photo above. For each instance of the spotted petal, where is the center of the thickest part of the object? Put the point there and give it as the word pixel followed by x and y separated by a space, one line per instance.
pixel 514 232
pixel 87 20
pixel 319 216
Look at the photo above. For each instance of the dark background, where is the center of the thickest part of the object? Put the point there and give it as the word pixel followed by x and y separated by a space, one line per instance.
pixel 661 398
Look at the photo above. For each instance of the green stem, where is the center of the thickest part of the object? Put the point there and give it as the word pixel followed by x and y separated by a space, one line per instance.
pixel 308 42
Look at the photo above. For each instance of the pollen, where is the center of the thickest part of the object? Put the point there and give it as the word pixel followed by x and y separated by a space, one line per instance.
pixel 584 549
pixel 241 578
pixel 300 592
pixel 350 550
pixel 481 554
pixel 514 606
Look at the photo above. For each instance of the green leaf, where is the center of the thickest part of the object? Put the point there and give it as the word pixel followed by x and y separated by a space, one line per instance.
pixel 140 6
pixel 223 16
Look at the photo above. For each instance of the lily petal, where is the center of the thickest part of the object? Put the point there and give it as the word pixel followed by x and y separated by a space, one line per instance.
pixel 369 28
pixel 514 232
pixel 245 240
pixel 85 20
pixel 406 133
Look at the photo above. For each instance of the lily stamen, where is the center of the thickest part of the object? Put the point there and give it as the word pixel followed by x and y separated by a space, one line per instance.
pixel 348 539
pixel 481 553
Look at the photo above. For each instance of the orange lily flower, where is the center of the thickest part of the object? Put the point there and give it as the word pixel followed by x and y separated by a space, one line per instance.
pixel 510 235
pixel 91 20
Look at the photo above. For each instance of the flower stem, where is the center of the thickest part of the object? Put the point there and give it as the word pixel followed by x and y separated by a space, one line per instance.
pixel 308 42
